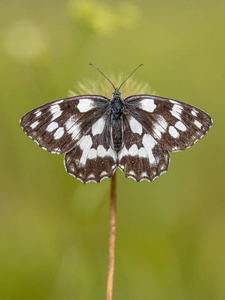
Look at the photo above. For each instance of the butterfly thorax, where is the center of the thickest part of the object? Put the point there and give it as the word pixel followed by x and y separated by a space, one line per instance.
pixel 116 105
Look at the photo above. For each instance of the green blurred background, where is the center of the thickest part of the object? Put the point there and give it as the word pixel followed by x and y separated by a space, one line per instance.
pixel 53 229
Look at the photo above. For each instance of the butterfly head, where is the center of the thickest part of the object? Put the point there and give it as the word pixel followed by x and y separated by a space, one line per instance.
pixel 116 98
pixel 116 94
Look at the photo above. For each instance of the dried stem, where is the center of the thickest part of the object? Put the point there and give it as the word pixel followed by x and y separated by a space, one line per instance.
pixel 112 237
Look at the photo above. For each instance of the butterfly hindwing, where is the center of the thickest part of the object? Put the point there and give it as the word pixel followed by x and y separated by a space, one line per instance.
pixel 173 124
pixel 57 126
pixel 141 155
pixel 93 158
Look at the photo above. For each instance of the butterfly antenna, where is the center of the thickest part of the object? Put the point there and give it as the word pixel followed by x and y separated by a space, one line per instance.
pixel 129 76
pixel 103 75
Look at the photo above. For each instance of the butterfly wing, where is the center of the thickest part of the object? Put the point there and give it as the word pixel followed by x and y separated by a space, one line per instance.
pixel 57 126
pixel 141 155
pixel 81 127
pixel 93 159
pixel 173 124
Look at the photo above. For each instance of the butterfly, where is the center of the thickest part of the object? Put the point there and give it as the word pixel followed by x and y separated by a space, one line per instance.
pixel 99 135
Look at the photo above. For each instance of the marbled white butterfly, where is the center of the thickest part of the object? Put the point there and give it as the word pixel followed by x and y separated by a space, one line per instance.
pixel 99 135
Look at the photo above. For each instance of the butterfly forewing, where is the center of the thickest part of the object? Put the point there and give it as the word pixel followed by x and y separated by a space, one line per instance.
pixel 59 125
pixel 173 124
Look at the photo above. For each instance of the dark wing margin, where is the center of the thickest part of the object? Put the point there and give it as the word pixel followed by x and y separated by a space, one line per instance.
pixel 57 126
pixel 175 125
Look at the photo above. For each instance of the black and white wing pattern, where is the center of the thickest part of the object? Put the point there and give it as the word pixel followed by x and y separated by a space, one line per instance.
pixel 79 127
pixel 152 127
pixel 93 158
pixel 98 135
pixel 57 126
pixel 142 156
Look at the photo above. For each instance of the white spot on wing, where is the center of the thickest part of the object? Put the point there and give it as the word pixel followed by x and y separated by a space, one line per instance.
pixel 135 126
pixel 38 113
pixel 101 151
pixel 176 111
pixel 173 132
pixel 194 112
pixel 149 143
pixel 142 152
pixel 91 176
pixel 172 101
pixel 179 125
pixel 69 123
pixel 60 101
pixel 72 127
pixel 113 154
pixel 92 154
pixel 162 122
pixel 144 174
pixel 158 130
pixel 176 114
pixel 198 124
pixel 133 150
pixel 59 133
pixel 160 126
pixel 85 105
pixel 98 126
pixel 85 144
pixel 178 108
pixel 35 124
pixel 104 173
pixel 55 111
pixel 123 152
pixel 147 105
pixel 54 108
pixel 52 126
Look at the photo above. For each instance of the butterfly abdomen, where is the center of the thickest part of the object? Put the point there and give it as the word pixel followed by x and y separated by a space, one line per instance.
pixel 116 134
pixel 117 104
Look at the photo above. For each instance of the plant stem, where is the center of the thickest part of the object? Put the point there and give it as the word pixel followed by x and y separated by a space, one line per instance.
pixel 112 237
